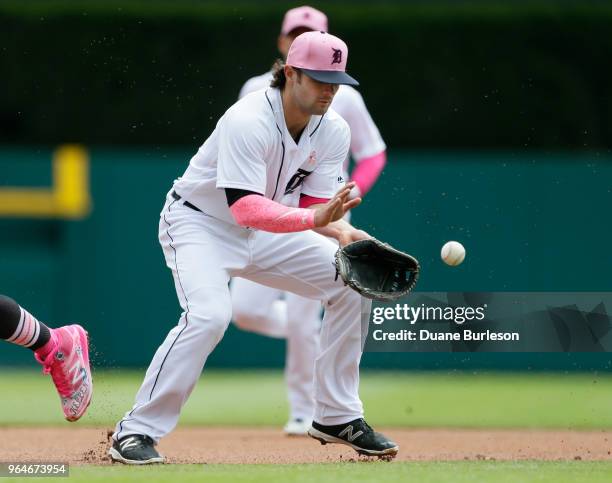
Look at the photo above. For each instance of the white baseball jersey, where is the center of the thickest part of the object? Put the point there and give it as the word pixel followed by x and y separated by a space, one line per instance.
pixel 366 140
pixel 251 149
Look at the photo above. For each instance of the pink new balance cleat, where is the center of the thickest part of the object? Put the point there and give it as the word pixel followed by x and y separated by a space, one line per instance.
pixel 68 365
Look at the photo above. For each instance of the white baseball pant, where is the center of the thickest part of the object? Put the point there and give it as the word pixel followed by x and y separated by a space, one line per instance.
pixel 259 309
pixel 203 253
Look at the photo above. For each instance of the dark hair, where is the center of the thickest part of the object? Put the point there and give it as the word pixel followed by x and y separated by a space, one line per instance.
pixel 278 74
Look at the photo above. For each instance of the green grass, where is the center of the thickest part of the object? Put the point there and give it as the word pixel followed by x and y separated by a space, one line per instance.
pixel 406 399
pixel 391 399
pixel 456 472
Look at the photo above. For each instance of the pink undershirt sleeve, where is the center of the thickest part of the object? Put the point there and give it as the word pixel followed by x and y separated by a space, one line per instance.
pixel 306 201
pixel 255 211
pixel 368 170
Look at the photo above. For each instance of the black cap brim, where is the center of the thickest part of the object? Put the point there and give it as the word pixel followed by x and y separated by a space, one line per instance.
pixel 331 77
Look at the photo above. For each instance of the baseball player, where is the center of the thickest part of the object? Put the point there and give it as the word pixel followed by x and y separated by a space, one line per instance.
pixel 63 353
pixel 271 312
pixel 231 215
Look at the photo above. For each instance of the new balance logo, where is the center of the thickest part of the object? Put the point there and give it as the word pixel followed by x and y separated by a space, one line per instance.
pixel 348 431
pixel 78 373
pixel 128 443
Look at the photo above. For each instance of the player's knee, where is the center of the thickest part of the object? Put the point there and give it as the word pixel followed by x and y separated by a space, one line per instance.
pixel 248 315
pixel 211 318
pixel 244 319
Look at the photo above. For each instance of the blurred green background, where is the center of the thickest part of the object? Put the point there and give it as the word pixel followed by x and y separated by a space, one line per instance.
pixel 512 212
pixel 497 115
pixel 391 399
pixel 511 74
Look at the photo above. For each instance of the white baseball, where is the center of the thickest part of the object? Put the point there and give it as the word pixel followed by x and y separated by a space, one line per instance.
pixel 452 253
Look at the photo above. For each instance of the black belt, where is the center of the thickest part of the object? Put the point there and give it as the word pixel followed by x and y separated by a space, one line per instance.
pixel 177 197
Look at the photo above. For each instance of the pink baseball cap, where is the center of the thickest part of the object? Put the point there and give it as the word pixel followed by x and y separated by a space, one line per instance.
pixel 304 17
pixel 321 56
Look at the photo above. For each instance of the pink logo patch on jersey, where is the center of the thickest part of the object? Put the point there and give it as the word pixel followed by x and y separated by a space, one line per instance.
pixel 312 158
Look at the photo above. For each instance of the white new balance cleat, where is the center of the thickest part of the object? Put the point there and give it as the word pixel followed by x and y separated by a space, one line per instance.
pixel 297 427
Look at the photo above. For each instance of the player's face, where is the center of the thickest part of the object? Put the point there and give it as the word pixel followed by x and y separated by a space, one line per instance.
pixel 311 96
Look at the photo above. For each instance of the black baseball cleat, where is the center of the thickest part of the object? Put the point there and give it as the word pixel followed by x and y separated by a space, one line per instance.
pixel 135 449
pixel 358 435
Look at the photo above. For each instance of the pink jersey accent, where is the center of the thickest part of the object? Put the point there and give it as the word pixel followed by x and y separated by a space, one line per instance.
pixel 306 201
pixel 255 211
pixel 368 170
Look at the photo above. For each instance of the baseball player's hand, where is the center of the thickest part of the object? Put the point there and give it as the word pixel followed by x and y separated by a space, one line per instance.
pixel 335 208
pixel 349 236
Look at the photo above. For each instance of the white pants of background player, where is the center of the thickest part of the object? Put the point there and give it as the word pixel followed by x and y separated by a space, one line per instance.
pixel 203 253
pixel 259 309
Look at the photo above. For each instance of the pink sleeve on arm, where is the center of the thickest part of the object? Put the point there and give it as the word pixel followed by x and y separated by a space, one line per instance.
pixel 368 170
pixel 255 211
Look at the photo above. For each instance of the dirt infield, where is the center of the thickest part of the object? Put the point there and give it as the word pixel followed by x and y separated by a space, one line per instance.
pixel 83 446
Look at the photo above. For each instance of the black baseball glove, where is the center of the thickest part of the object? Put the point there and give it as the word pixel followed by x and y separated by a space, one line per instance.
pixel 377 270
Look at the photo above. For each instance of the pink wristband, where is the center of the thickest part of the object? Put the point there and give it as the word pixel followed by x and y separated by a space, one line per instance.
pixel 368 170
pixel 255 211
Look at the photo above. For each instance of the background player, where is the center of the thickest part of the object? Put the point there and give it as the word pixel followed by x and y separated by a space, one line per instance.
pixel 63 353
pixel 271 312
pixel 225 218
